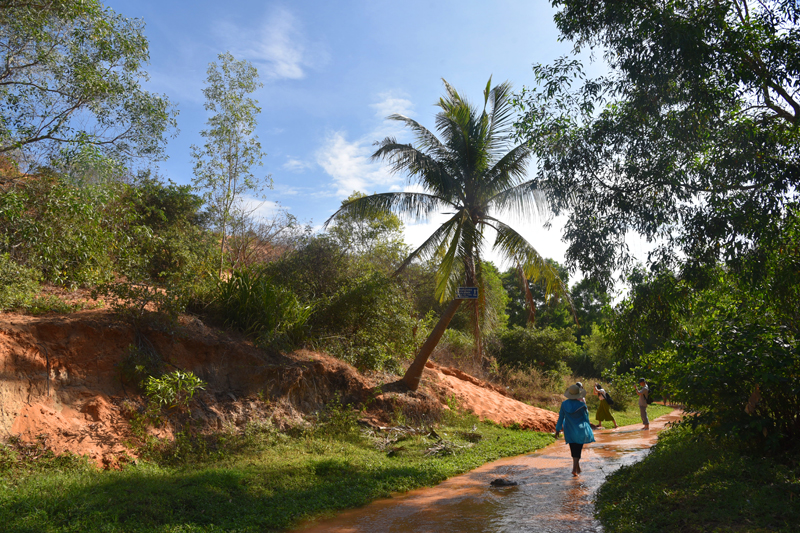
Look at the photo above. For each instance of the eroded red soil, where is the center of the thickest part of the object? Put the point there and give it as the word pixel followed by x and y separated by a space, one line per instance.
pixel 60 384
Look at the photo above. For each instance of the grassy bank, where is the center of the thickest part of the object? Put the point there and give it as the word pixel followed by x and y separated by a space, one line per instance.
pixel 255 481
pixel 694 483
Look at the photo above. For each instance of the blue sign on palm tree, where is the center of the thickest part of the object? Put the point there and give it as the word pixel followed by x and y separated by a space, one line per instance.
pixel 467 293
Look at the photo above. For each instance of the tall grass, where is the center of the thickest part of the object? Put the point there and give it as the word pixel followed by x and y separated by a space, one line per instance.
pixel 249 302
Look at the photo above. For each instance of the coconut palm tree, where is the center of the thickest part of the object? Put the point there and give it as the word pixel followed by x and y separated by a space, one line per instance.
pixel 474 174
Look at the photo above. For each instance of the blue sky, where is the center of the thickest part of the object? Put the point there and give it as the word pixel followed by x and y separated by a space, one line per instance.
pixel 332 72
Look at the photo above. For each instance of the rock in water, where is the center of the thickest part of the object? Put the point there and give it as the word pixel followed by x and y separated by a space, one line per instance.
pixel 500 482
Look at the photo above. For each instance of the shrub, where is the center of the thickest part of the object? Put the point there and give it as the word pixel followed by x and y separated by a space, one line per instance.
pixel 250 302
pixel 369 322
pixel 18 284
pixel 71 234
pixel 173 390
pixel 546 349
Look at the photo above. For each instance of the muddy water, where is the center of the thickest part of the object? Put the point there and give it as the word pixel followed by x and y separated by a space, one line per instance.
pixel 548 498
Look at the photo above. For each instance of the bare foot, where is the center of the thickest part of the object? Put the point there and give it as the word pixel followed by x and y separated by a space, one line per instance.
pixel 574 474
pixel 646 427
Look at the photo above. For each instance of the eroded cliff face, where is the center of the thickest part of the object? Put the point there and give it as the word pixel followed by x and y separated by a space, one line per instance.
pixel 60 380
pixel 61 384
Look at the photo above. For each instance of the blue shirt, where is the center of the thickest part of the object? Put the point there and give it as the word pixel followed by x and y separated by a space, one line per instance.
pixel 573 417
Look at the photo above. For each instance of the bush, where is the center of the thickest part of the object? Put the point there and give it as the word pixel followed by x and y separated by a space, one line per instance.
pixel 546 349
pixel 369 322
pixel 71 234
pixel 250 302
pixel 18 284
pixel 172 390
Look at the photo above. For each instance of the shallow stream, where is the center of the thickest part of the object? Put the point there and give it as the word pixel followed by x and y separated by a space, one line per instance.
pixel 547 499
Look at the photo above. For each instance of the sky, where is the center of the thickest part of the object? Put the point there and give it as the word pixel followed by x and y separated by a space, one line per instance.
pixel 332 72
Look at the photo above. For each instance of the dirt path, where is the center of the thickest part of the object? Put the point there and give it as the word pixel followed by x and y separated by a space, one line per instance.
pixel 548 499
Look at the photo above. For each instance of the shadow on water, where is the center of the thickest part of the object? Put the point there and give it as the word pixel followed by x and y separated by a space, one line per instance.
pixel 547 499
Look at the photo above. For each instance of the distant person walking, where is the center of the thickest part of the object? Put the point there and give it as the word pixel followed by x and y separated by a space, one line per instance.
pixel 604 411
pixel 573 417
pixel 643 391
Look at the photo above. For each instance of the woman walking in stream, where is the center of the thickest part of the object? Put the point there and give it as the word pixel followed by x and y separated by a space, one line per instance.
pixel 573 417
pixel 604 410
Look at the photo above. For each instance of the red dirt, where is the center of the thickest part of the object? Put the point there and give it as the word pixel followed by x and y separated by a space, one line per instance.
pixel 60 384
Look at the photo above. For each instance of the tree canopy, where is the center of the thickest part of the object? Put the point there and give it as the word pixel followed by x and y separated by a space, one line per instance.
pixel 70 75
pixel 692 140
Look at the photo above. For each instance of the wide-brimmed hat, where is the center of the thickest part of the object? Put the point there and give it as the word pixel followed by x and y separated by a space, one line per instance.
pixel 575 392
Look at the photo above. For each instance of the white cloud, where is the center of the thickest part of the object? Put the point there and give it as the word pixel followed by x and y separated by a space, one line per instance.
pixel 279 47
pixel 349 164
pixel 260 208
pixel 392 103
pixel 297 165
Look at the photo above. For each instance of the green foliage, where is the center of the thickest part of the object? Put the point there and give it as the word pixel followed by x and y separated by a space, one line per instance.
pixel 547 349
pixel 492 312
pixel 175 243
pixel 666 146
pixel 598 350
pixel 75 83
pixel 376 238
pixel 251 302
pixel 18 284
pixel 135 301
pixel 72 234
pixel 548 311
pixel 715 486
pixel 369 322
pixel 728 349
pixel 174 389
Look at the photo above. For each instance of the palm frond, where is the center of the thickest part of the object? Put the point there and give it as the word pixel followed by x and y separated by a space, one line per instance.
pixel 432 244
pixel 445 272
pixel 425 169
pixel 425 138
pixel 410 205
pixel 515 247
pixel 523 201
pixel 511 169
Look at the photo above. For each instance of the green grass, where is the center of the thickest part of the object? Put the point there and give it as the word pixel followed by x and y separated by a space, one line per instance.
pixel 259 481
pixel 631 415
pixel 696 483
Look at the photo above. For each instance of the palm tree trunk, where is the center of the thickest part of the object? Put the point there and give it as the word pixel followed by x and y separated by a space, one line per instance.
pixel 414 372
pixel 528 296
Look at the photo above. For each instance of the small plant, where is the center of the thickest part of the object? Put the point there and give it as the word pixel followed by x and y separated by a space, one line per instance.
pixel 175 389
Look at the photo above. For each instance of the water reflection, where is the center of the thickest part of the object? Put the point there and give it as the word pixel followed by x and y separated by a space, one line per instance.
pixel 548 498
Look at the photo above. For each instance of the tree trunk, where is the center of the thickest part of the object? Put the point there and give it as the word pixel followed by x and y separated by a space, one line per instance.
pixel 528 296
pixel 414 372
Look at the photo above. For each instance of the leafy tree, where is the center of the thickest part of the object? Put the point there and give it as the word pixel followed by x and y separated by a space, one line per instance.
pixel 223 166
pixel 473 173
pixel 592 306
pixel 692 140
pixel 70 76
pixel 544 349
pixel 535 307
pixel 378 238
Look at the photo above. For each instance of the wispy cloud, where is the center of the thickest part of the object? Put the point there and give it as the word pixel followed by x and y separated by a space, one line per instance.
pixel 278 46
pixel 297 165
pixel 349 164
